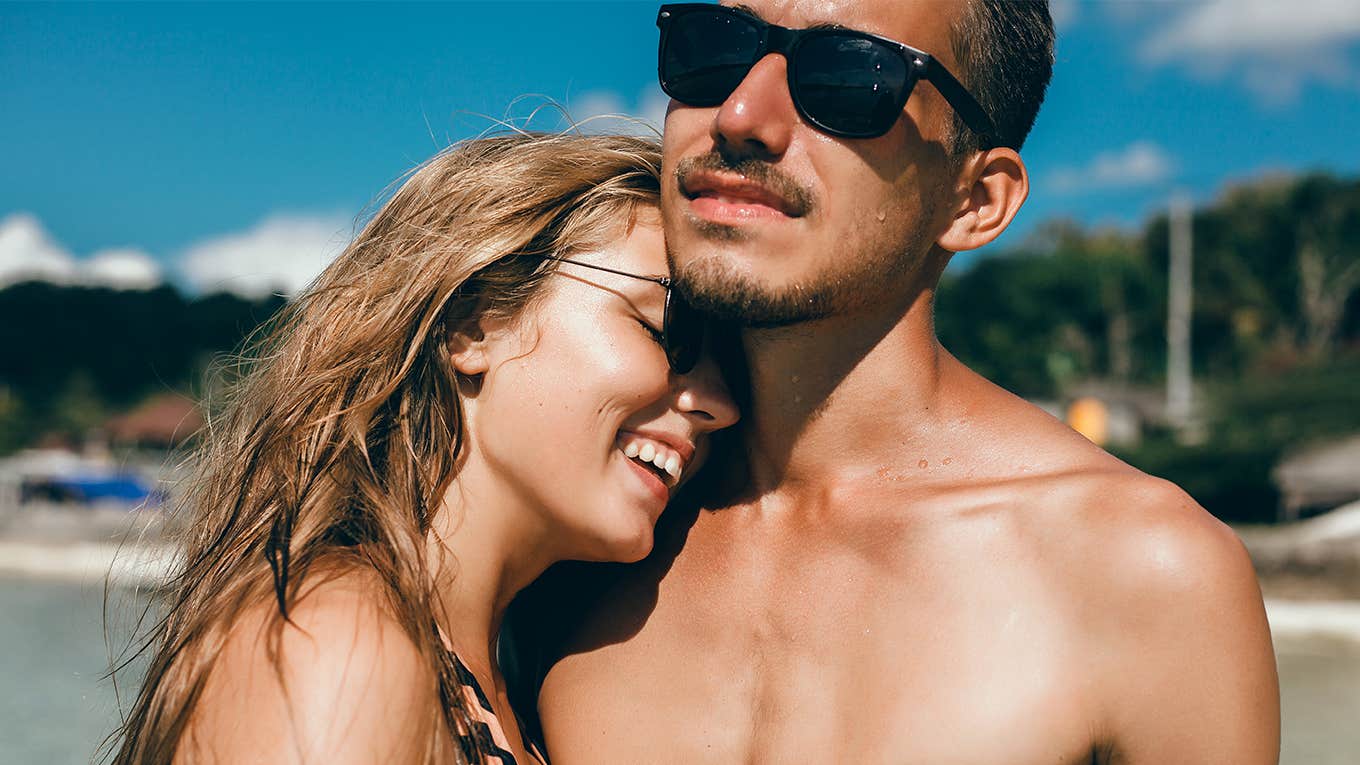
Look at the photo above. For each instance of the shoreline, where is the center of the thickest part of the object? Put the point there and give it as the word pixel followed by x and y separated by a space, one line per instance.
pixel 1309 572
pixel 131 564
pixel 139 564
pixel 1294 619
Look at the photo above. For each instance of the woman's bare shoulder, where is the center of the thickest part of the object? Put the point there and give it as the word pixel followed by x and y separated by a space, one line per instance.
pixel 346 684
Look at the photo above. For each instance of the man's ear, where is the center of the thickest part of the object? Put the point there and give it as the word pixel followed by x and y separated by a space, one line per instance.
pixel 993 186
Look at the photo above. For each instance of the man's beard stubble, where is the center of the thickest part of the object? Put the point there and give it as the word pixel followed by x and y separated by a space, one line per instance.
pixel 715 288
pixel 869 267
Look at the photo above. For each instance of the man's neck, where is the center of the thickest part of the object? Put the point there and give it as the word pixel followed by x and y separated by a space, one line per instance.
pixel 842 396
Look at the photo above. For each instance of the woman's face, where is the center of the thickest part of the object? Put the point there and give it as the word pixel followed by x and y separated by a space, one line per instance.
pixel 578 415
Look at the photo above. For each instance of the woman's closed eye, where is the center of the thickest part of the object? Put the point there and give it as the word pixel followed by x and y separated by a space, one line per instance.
pixel 656 334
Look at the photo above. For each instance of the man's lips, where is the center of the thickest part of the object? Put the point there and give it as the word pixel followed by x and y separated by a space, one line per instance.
pixel 724 195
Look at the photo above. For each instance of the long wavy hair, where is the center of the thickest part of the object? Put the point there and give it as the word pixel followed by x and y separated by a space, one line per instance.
pixel 342 427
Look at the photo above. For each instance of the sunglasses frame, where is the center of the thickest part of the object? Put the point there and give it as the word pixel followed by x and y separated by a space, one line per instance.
pixel 786 42
pixel 681 361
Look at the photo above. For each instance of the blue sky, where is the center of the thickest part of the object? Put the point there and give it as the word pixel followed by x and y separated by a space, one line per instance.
pixel 224 145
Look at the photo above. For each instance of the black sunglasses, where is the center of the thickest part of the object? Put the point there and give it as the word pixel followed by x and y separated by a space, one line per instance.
pixel 844 82
pixel 682 327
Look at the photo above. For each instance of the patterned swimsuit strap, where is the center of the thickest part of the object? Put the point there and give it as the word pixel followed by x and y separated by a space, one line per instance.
pixel 482 739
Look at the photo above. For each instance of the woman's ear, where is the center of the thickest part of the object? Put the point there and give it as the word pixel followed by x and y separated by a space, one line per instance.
pixel 468 350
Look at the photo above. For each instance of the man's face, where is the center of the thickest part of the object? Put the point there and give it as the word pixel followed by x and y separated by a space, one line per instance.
pixel 772 222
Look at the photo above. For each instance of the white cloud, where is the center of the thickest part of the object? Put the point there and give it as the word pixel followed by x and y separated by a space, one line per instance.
pixel 1141 163
pixel 28 251
pixel 283 253
pixel 1064 13
pixel 1270 47
pixel 124 268
pixel 600 111
pixel 1249 26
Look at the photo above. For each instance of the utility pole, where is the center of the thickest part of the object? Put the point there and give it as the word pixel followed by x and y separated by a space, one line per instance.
pixel 1180 298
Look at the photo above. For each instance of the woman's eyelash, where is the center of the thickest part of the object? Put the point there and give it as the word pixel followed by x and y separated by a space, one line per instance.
pixel 656 334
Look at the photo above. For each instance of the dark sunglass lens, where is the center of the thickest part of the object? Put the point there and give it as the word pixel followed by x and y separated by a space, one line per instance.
pixel 851 85
pixel 706 55
pixel 684 330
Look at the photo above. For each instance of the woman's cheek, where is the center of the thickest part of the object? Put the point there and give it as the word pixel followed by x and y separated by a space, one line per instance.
pixel 634 366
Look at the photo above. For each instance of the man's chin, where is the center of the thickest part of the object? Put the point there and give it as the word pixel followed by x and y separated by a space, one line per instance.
pixel 715 287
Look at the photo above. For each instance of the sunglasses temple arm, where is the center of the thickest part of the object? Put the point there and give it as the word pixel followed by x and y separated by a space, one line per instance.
pixel 664 281
pixel 963 102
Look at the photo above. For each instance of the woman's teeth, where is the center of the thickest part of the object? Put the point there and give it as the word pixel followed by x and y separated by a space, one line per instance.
pixel 663 459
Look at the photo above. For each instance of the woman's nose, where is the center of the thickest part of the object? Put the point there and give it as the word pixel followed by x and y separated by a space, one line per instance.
pixel 702 393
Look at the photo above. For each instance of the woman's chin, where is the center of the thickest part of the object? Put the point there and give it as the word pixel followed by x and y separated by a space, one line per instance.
pixel 625 542
pixel 640 549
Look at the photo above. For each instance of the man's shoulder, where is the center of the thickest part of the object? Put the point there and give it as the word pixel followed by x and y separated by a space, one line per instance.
pixel 1137 538
pixel 1167 619
pixel 1152 580
pixel 1109 534
pixel 1159 605
pixel 1068 489
pixel 1150 535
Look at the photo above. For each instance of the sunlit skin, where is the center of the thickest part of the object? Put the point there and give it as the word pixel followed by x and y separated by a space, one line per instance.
pixel 923 568
pixel 549 399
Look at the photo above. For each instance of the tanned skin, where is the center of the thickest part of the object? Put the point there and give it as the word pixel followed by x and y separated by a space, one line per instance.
pixel 919 567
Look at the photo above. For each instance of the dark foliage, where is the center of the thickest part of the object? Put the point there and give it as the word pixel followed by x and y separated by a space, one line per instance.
pixel 76 354
pixel 1275 329
pixel 1276 284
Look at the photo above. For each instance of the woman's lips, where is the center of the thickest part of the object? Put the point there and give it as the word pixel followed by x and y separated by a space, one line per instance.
pixel 667 452
pixel 650 481
pixel 657 458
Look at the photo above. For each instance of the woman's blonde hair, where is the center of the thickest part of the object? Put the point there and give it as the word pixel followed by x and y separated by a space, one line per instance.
pixel 344 428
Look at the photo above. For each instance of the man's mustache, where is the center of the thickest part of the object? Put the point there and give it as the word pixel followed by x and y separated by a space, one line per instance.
pixel 757 171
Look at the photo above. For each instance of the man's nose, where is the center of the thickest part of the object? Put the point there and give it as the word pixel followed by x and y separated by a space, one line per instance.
pixel 759 118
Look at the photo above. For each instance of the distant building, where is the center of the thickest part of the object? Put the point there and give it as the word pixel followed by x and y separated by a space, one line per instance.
pixel 1319 478
pixel 1109 413
pixel 162 422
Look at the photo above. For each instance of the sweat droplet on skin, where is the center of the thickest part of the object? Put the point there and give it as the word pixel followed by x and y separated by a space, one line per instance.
pixel 882 215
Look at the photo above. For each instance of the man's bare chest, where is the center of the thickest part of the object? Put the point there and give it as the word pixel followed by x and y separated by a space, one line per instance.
pixel 840 660
pixel 897 679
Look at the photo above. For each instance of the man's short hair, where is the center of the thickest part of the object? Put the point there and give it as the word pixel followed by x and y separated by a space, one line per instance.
pixel 1005 53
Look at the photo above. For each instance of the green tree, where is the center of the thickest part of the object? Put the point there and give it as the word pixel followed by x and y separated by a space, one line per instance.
pixel 79 408
pixel 1069 307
